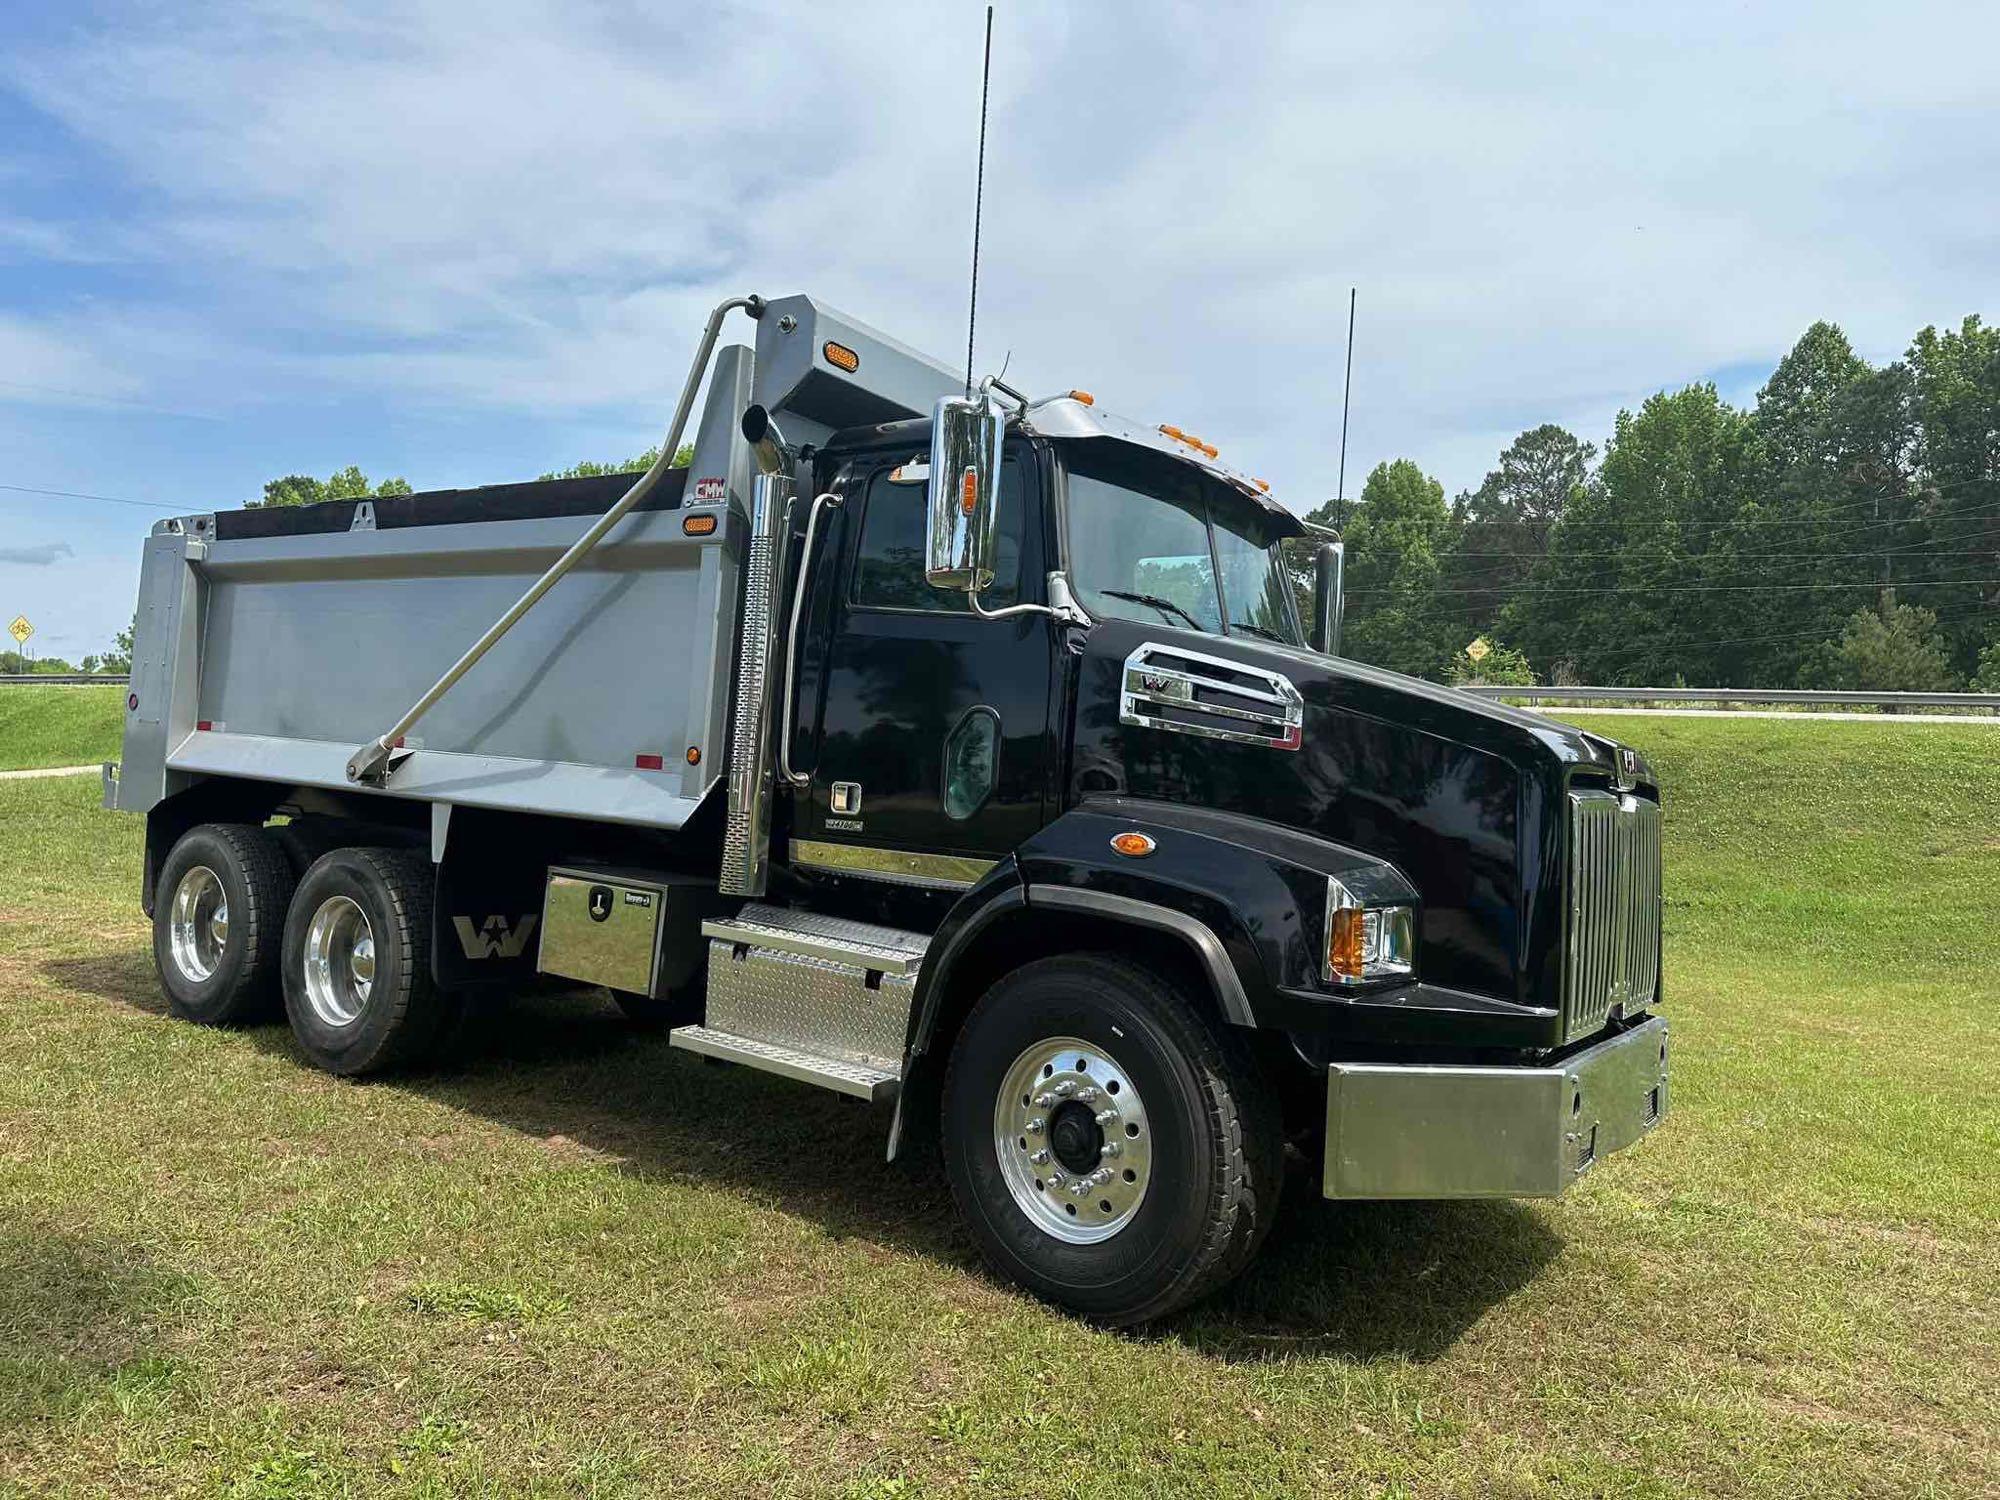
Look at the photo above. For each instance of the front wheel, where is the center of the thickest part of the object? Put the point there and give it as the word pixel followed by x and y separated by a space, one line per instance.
pixel 1107 1141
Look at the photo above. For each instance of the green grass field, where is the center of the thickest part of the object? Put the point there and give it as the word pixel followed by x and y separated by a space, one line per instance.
pixel 580 1263
pixel 59 726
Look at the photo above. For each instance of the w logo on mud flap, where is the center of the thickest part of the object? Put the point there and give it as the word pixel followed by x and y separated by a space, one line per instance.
pixel 497 938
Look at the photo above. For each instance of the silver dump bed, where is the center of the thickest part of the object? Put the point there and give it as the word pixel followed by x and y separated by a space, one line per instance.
pixel 272 652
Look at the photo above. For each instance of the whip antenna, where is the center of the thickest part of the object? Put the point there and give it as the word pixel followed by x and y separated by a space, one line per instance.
pixel 1346 390
pixel 978 197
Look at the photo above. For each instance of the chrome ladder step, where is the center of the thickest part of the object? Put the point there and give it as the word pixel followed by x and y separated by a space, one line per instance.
pixel 843 1077
pixel 859 945
pixel 816 998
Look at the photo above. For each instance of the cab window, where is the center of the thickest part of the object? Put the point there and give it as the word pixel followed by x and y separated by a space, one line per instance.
pixel 889 559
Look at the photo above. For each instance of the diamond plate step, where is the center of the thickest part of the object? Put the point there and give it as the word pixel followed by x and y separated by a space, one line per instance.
pixel 829 1073
pixel 859 945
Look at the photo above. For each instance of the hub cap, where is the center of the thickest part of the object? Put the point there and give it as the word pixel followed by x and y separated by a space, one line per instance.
pixel 339 961
pixel 198 925
pixel 1074 1144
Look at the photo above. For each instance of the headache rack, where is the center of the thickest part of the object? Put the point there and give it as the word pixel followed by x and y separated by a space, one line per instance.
pixel 1611 964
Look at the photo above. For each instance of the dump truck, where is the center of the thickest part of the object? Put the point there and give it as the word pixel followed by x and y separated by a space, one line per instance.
pixel 986 758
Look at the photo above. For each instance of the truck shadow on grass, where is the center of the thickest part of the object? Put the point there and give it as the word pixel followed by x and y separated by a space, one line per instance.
pixel 79 1322
pixel 1335 1280
pixel 1354 1281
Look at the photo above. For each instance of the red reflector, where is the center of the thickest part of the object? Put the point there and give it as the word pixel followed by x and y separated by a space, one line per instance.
pixel 650 762
pixel 204 725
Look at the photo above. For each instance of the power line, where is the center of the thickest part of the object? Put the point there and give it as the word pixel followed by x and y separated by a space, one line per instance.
pixel 1916 490
pixel 28 489
pixel 1758 640
pixel 1913 547
pixel 1696 588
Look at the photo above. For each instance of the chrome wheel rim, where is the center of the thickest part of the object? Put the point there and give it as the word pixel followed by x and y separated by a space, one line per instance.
pixel 1074 1144
pixel 339 961
pixel 198 924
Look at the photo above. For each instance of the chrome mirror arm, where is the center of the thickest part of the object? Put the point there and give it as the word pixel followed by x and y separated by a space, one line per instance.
pixel 1062 604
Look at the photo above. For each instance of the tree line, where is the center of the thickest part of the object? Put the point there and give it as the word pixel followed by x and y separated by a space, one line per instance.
pixel 1842 532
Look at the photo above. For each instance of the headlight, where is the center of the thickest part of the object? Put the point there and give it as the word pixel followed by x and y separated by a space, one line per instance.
pixel 1367 942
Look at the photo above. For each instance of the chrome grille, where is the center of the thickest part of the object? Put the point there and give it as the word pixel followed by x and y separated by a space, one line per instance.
pixel 1613 958
pixel 1213 697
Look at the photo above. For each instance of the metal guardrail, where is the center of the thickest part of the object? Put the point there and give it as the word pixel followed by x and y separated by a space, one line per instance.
pixel 1987 701
pixel 60 679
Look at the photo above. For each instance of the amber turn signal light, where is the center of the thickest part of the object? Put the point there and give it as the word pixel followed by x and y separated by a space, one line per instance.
pixel 698 525
pixel 1133 844
pixel 841 357
pixel 1345 943
pixel 968 492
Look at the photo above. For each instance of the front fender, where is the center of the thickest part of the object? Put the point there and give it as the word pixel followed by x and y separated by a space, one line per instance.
pixel 1258 888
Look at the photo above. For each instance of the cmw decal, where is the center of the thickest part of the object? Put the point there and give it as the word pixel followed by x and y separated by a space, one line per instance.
pixel 496 938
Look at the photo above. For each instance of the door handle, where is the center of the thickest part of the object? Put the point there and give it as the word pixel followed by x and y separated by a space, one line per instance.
pixel 825 501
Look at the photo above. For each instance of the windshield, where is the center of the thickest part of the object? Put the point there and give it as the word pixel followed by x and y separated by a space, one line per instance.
pixel 1149 541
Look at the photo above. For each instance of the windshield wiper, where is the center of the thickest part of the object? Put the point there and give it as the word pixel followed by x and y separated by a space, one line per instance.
pixel 1154 601
pixel 1269 635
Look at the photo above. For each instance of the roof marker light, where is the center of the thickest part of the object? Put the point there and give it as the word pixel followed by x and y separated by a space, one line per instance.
pixel 1084 396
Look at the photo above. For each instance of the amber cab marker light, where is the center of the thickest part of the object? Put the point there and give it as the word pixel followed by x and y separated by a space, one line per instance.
pixel 1084 396
pixel 698 525
pixel 694 755
pixel 841 357
pixel 1344 942
pixel 1133 845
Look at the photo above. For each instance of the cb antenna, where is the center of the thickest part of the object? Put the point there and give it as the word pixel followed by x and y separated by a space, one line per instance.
pixel 978 197
pixel 1346 390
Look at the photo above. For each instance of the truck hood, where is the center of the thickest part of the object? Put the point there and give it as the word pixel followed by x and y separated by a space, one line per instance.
pixel 1465 796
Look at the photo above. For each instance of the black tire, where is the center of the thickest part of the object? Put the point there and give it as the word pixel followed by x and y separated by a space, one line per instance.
pixel 1215 1139
pixel 304 840
pixel 254 884
pixel 403 1017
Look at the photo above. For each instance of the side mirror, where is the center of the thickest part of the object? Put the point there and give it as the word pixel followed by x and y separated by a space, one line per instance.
pixel 964 493
pixel 1329 566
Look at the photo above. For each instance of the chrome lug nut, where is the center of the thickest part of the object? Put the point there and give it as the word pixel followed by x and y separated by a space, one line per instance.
pixel 1110 1148
pixel 1106 1116
pixel 1066 1087
pixel 1045 1100
pixel 1085 1094
pixel 1037 1125
pixel 1040 1158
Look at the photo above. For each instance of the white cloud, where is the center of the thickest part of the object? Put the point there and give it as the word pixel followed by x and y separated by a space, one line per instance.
pixel 38 556
pixel 523 204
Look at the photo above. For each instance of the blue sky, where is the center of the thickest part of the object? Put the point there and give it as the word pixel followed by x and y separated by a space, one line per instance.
pixel 467 242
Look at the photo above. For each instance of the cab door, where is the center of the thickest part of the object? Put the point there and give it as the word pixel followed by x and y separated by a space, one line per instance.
pixel 929 727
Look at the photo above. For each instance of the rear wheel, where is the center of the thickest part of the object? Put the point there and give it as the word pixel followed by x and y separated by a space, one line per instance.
pixel 1107 1142
pixel 357 962
pixel 218 924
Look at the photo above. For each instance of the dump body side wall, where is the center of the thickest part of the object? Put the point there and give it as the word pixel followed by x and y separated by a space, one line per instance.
pixel 294 649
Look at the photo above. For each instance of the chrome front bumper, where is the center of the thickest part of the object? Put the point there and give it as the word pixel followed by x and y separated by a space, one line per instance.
pixel 1452 1132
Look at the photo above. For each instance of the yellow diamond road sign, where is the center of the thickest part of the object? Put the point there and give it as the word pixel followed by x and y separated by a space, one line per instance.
pixel 1478 650
pixel 20 630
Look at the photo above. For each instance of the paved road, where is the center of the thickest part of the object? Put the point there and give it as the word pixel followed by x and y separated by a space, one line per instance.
pixel 1565 711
